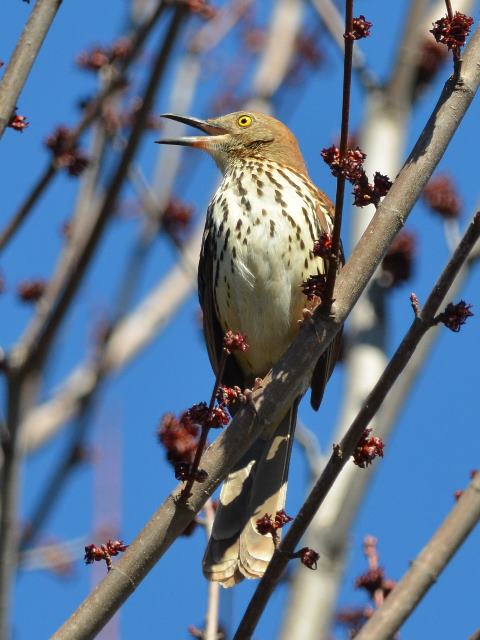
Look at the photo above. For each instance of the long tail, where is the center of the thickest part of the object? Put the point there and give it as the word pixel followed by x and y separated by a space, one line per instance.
pixel 258 485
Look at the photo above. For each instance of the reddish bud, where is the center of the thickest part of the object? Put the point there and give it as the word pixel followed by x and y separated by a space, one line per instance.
pixel 381 184
pixel 431 57
pixel 351 166
pixel 314 286
pixel 65 151
pixel 179 437
pixel 322 248
pixel 307 54
pixel 104 552
pixel 177 217
pixel 452 31
pixel 17 122
pixel 121 49
pixel 270 524
pixel 441 196
pixel 202 7
pixel 31 290
pixel 93 554
pixel 281 519
pixel 227 396
pixel 308 557
pixel 368 448
pixel 265 525
pixel 235 341
pixel 218 418
pixel 397 265
pixel 371 581
pixel 360 29
pixel 114 547
pixel 94 59
pixel 366 193
pixel 455 315
pixel 198 413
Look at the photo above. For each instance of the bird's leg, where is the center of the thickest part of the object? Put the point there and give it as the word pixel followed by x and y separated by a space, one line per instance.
pixel 248 394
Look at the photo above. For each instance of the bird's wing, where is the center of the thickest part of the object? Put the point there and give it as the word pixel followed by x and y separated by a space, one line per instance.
pixel 326 363
pixel 212 330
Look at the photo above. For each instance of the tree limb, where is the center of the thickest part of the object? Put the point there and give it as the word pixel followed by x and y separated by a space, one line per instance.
pixel 341 453
pixel 90 113
pixel 289 377
pixel 26 51
pixel 426 568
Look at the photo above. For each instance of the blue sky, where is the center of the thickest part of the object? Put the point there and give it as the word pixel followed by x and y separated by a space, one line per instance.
pixel 436 441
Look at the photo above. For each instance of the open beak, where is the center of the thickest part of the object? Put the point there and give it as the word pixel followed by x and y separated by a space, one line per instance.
pixel 193 141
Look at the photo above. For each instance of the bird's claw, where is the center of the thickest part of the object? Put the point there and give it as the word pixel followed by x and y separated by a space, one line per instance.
pixel 307 317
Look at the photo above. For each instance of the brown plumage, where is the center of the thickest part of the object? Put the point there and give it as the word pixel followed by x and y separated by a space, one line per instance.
pixel 257 250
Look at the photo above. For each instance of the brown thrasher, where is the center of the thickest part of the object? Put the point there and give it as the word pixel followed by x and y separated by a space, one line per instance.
pixel 257 250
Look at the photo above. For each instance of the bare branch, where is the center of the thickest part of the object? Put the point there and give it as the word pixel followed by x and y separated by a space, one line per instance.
pixel 341 453
pixel 387 116
pixel 137 330
pixel 289 377
pixel 211 627
pixel 336 259
pixel 127 340
pixel 91 112
pixel 51 310
pixel 26 51
pixel 426 568
pixel 332 19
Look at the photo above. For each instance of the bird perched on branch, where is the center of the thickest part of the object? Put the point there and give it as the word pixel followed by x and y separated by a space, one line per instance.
pixel 257 251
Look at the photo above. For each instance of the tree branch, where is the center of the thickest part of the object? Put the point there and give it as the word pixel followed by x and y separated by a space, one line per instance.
pixel 387 117
pixel 92 111
pixel 341 455
pixel 332 19
pixel 426 568
pixel 290 376
pixel 53 306
pixel 26 51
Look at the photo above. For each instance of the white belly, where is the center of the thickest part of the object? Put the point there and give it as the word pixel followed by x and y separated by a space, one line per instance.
pixel 264 233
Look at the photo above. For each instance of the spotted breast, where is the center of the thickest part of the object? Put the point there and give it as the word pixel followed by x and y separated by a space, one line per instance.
pixel 264 220
pixel 257 250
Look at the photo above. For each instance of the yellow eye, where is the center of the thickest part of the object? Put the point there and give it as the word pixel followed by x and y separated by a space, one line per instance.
pixel 244 121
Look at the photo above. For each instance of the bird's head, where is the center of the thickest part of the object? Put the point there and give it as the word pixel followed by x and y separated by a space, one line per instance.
pixel 242 135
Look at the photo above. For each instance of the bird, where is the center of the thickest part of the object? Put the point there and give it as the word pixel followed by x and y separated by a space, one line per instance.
pixel 257 250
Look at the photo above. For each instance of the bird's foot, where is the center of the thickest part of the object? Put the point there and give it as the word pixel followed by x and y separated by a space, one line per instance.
pixel 248 394
pixel 307 317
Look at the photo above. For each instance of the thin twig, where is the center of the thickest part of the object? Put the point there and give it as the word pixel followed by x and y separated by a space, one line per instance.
pixel 291 375
pixel 426 568
pixel 19 216
pixel 33 348
pixel 457 59
pixel 213 607
pixel 24 56
pixel 136 330
pixel 131 335
pixel 55 485
pixel 51 310
pixel 21 395
pixel 341 454
pixel 335 259
pixel 90 113
pixel 206 427
pixel 333 22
